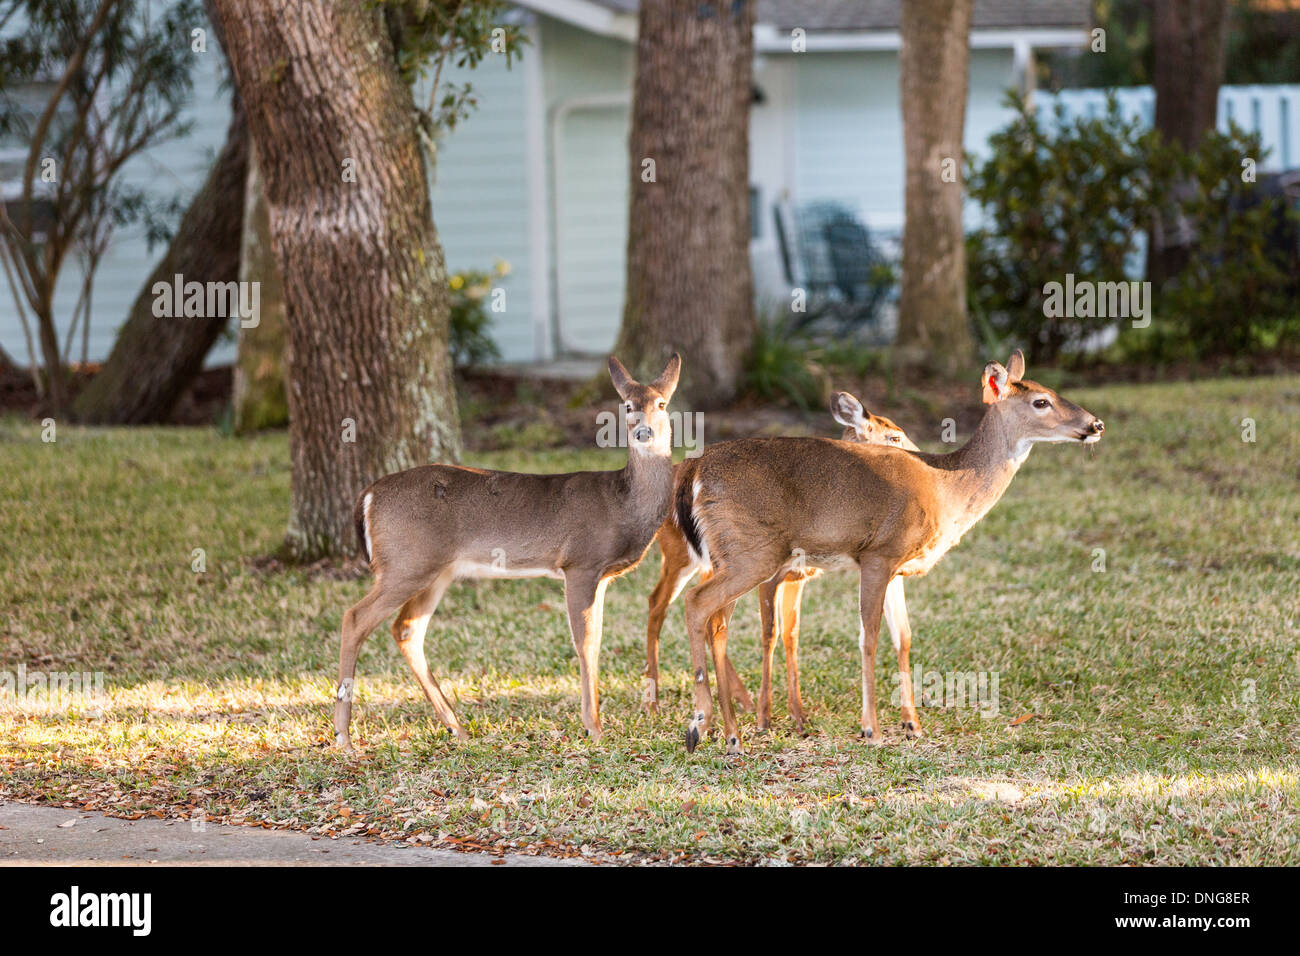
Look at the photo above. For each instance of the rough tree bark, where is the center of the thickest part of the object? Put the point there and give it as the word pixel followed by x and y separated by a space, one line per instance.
pixel 689 284
pixel 933 331
pixel 1190 39
pixel 365 291
pixel 259 398
pixel 154 359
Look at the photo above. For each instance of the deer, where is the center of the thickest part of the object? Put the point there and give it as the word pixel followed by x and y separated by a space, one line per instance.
pixel 779 597
pixel 423 528
pixel 754 508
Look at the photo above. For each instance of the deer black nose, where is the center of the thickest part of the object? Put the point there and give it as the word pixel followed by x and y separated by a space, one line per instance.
pixel 1097 426
pixel 643 433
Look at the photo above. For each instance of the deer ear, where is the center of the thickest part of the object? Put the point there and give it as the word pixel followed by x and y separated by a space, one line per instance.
pixel 619 376
pixel 666 383
pixel 996 381
pixel 1016 365
pixel 847 410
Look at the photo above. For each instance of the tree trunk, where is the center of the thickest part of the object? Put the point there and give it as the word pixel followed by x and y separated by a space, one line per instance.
pixel 365 289
pixel 933 331
pixel 259 392
pixel 1190 38
pixel 154 359
pixel 689 285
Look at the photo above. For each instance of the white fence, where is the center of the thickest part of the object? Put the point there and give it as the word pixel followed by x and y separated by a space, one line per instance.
pixel 1271 111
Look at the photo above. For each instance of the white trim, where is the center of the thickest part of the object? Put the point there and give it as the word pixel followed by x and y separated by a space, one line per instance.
pixel 539 227
pixel 768 39
pixel 603 21
pixel 561 112
pixel 588 16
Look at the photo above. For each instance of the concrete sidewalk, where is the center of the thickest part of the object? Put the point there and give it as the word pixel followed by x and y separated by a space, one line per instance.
pixel 33 836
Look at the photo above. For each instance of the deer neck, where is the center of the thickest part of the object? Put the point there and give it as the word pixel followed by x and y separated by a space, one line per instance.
pixel 975 476
pixel 648 487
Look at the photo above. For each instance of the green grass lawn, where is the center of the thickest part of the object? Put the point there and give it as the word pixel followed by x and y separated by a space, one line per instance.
pixel 1163 689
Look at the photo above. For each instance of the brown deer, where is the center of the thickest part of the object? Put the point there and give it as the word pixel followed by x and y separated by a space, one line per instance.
pixel 753 508
pixel 780 597
pixel 426 527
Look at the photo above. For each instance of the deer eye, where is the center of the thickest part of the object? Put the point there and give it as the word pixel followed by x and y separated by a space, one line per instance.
pixel 631 407
pixel 1042 403
pixel 895 439
pixel 661 405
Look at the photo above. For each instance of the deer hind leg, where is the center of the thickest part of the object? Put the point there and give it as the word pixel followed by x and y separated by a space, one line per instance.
pixel 735 686
pixel 872 583
pixel 409 630
pixel 769 610
pixel 674 572
pixel 584 595
pixel 900 631
pixel 358 621
pixel 791 596
pixel 718 593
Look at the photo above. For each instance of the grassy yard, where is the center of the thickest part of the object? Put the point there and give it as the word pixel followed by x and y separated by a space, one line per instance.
pixel 1146 713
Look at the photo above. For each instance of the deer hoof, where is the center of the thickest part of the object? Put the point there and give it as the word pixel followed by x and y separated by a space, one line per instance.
pixel 692 738
pixel 734 747
pixel 911 729
pixel 869 735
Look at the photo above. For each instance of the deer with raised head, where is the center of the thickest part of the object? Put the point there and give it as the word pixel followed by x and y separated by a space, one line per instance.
pixel 779 597
pixel 426 527
pixel 752 509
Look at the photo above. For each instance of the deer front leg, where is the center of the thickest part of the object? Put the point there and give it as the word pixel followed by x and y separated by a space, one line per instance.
pixel 735 686
pixel 674 571
pixel 791 598
pixel 872 582
pixel 900 631
pixel 768 608
pixel 584 597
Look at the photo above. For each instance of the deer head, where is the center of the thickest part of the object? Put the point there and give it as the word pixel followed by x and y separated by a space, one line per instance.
pixel 649 430
pixel 1034 413
pixel 866 428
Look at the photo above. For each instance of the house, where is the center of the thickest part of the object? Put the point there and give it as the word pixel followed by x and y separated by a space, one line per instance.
pixel 537 176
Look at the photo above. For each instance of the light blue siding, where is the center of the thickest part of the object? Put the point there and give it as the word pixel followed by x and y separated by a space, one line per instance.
pixel 849 128
pixel 588 88
pixel 175 168
pixel 480 194
pixel 479 208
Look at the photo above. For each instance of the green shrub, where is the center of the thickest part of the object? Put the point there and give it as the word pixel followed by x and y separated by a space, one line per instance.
pixel 782 366
pixel 1073 198
pixel 1237 291
pixel 471 344
pixel 1055 202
